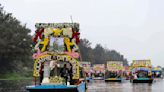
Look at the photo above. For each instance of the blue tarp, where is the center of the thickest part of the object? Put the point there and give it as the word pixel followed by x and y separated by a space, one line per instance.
pixel 141 68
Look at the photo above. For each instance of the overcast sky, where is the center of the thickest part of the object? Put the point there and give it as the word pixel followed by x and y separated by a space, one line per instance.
pixel 135 28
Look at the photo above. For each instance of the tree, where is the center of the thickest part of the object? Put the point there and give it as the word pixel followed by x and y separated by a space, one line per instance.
pixel 85 50
pixel 14 43
pixel 99 54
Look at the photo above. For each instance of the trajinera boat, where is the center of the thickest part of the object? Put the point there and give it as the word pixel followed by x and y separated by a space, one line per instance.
pixel 98 72
pixel 114 71
pixel 56 58
pixel 141 71
pixel 157 72
pixel 86 67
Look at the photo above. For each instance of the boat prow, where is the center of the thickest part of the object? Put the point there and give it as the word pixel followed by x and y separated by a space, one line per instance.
pixel 57 88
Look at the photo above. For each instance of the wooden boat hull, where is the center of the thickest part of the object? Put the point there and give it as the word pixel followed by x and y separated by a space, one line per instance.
pixel 142 81
pixel 53 90
pixel 57 88
pixel 113 80
pixel 98 78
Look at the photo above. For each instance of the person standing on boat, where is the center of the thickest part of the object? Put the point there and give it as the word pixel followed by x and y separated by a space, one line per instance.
pixel 135 75
pixel 71 74
pixel 65 73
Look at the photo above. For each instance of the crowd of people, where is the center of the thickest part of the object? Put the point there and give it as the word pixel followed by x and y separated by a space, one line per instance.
pixel 140 74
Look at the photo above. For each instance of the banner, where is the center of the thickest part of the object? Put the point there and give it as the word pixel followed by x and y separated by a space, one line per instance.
pixel 99 68
pixel 141 63
pixel 114 65
pixel 86 66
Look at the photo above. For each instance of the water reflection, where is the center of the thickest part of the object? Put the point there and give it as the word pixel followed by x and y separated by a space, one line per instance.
pixel 141 87
pixel 126 86
pixel 14 85
pixel 93 86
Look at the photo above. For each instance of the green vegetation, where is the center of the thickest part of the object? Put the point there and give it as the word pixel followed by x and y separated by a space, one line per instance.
pixel 99 54
pixel 15 43
pixel 14 76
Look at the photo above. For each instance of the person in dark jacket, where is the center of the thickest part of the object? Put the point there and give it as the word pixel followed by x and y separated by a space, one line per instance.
pixel 65 73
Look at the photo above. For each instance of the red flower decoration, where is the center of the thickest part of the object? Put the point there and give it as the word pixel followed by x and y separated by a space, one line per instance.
pixel 76 36
pixel 38 34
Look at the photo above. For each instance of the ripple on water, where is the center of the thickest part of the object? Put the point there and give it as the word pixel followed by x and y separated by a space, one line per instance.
pixel 101 86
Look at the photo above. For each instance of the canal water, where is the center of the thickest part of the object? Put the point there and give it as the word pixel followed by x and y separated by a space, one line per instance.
pixel 126 86
pixel 93 86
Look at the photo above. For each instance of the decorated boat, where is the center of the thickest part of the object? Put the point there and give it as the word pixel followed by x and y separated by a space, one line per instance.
pixel 141 71
pixel 56 58
pixel 98 72
pixel 114 71
pixel 126 72
pixel 86 66
pixel 157 72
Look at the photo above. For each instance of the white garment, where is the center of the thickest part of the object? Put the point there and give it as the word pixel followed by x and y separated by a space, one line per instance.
pixel 135 76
